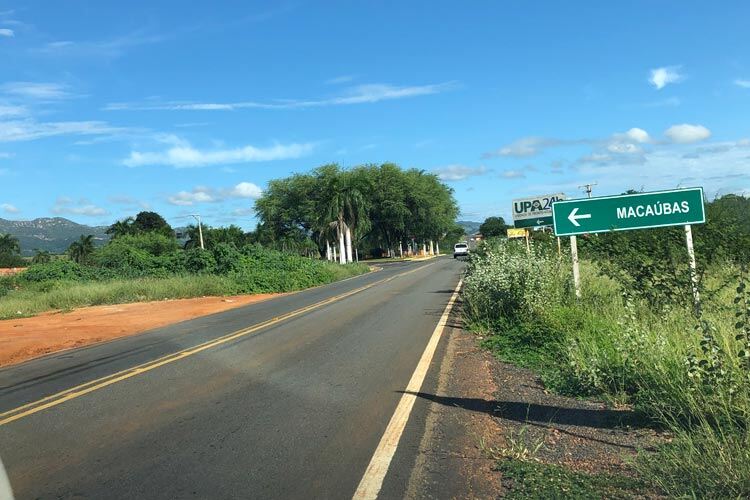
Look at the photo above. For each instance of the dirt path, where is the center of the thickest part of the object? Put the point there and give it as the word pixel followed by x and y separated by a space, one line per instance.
pixel 25 338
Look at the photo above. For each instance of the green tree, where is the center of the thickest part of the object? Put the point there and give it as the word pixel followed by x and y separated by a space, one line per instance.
pixel 41 257
pixel 123 227
pixel 9 245
pixel 80 251
pixel 152 222
pixel 493 226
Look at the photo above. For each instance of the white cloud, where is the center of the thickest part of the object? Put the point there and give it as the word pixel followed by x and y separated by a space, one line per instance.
pixel 686 133
pixel 745 84
pixel 512 174
pixel 65 205
pixel 204 194
pixel 7 33
pixel 109 48
pixel 359 94
pixel 9 209
pixel 638 135
pixel 623 148
pixel 183 155
pixel 5 156
pixel 188 198
pixel 28 130
pixel 35 90
pixel 661 77
pixel 12 111
pixel 247 190
pixel 458 172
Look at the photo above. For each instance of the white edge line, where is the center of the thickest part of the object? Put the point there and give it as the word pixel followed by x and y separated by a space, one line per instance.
pixel 372 480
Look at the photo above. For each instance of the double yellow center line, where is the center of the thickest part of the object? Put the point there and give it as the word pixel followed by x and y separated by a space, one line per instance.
pixel 83 389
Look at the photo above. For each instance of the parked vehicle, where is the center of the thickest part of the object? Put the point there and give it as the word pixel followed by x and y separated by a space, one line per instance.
pixel 460 250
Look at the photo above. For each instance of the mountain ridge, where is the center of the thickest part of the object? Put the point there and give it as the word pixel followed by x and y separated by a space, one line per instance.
pixel 52 234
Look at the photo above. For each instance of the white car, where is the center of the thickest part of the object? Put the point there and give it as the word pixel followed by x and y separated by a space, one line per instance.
pixel 460 250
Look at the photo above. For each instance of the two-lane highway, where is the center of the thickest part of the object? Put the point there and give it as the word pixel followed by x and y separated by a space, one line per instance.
pixel 288 398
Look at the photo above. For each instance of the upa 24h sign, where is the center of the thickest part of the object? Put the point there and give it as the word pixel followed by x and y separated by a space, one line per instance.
pixel 629 211
pixel 536 211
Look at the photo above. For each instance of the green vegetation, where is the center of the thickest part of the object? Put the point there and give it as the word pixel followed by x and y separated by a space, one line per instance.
pixel 633 337
pixel 536 480
pixel 10 251
pixel 148 264
pixel 493 226
pixel 382 206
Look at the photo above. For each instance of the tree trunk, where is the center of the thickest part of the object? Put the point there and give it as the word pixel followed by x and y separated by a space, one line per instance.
pixel 437 247
pixel 432 248
pixel 335 256
pixel 342 245
pixel 424 248
pixel 349 257
pixel 400 250
pixel 328 251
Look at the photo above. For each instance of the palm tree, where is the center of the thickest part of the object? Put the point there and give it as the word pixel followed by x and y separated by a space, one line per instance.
pixel 9 245
pixel 41 257
pixel 345 210
pixel 81 250
pixel 121 228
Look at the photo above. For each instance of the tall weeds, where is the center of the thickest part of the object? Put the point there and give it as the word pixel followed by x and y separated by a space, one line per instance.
pixel 690 375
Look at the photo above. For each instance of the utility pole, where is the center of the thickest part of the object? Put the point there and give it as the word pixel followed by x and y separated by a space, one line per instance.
pixel 587 188
pixel 197 217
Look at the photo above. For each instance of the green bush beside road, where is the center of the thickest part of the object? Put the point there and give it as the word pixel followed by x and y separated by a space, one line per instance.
pixel 686 374
pixel 150 266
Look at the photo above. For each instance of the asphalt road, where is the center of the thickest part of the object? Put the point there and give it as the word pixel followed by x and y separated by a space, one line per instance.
pixel 286 398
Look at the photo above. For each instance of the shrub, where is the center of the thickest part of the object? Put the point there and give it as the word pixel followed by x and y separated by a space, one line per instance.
pixel 199 261
pixel 228 258
pixel 56 270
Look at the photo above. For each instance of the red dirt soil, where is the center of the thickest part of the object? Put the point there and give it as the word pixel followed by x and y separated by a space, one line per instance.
pixel 26 338
pixel 7 271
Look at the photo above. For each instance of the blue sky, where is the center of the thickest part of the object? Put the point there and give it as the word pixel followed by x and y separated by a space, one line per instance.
pixel 192 107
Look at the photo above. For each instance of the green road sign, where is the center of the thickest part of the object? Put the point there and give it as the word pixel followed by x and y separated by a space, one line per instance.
pixel 539 221
pixel 628 211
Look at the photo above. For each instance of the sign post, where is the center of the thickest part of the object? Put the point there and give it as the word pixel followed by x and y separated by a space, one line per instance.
pixel 677 207
pixel 693 269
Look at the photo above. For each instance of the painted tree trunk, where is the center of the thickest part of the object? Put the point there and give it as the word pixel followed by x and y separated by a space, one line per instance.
pixel 328 251
pixel 437 247
pixel 335 257
pixel 400 250
pixel 349 257
pixel 342 246
pixel 424 248
pixel 432 248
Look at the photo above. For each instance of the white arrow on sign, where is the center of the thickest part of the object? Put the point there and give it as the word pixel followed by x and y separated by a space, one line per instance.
pixel 573 217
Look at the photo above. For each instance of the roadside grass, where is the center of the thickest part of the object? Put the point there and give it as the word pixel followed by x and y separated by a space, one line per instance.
pixel 688 376
pixel 536 480
pixel 28 299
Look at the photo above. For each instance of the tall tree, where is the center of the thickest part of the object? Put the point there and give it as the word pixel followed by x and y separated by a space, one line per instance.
pixel 122 228
pixel 41 257
pixel 9 245
pixel 493 226
pixel 152 222
pixel 80 251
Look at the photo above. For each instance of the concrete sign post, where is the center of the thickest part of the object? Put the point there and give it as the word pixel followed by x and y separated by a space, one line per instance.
pixel 534 211
pixel 677 207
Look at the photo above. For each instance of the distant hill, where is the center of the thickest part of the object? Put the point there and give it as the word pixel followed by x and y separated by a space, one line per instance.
pixel 52 234
pixel 469 227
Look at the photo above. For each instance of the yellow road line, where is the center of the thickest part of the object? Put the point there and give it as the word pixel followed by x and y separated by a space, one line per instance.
pixel 372 480
pixel 83 389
